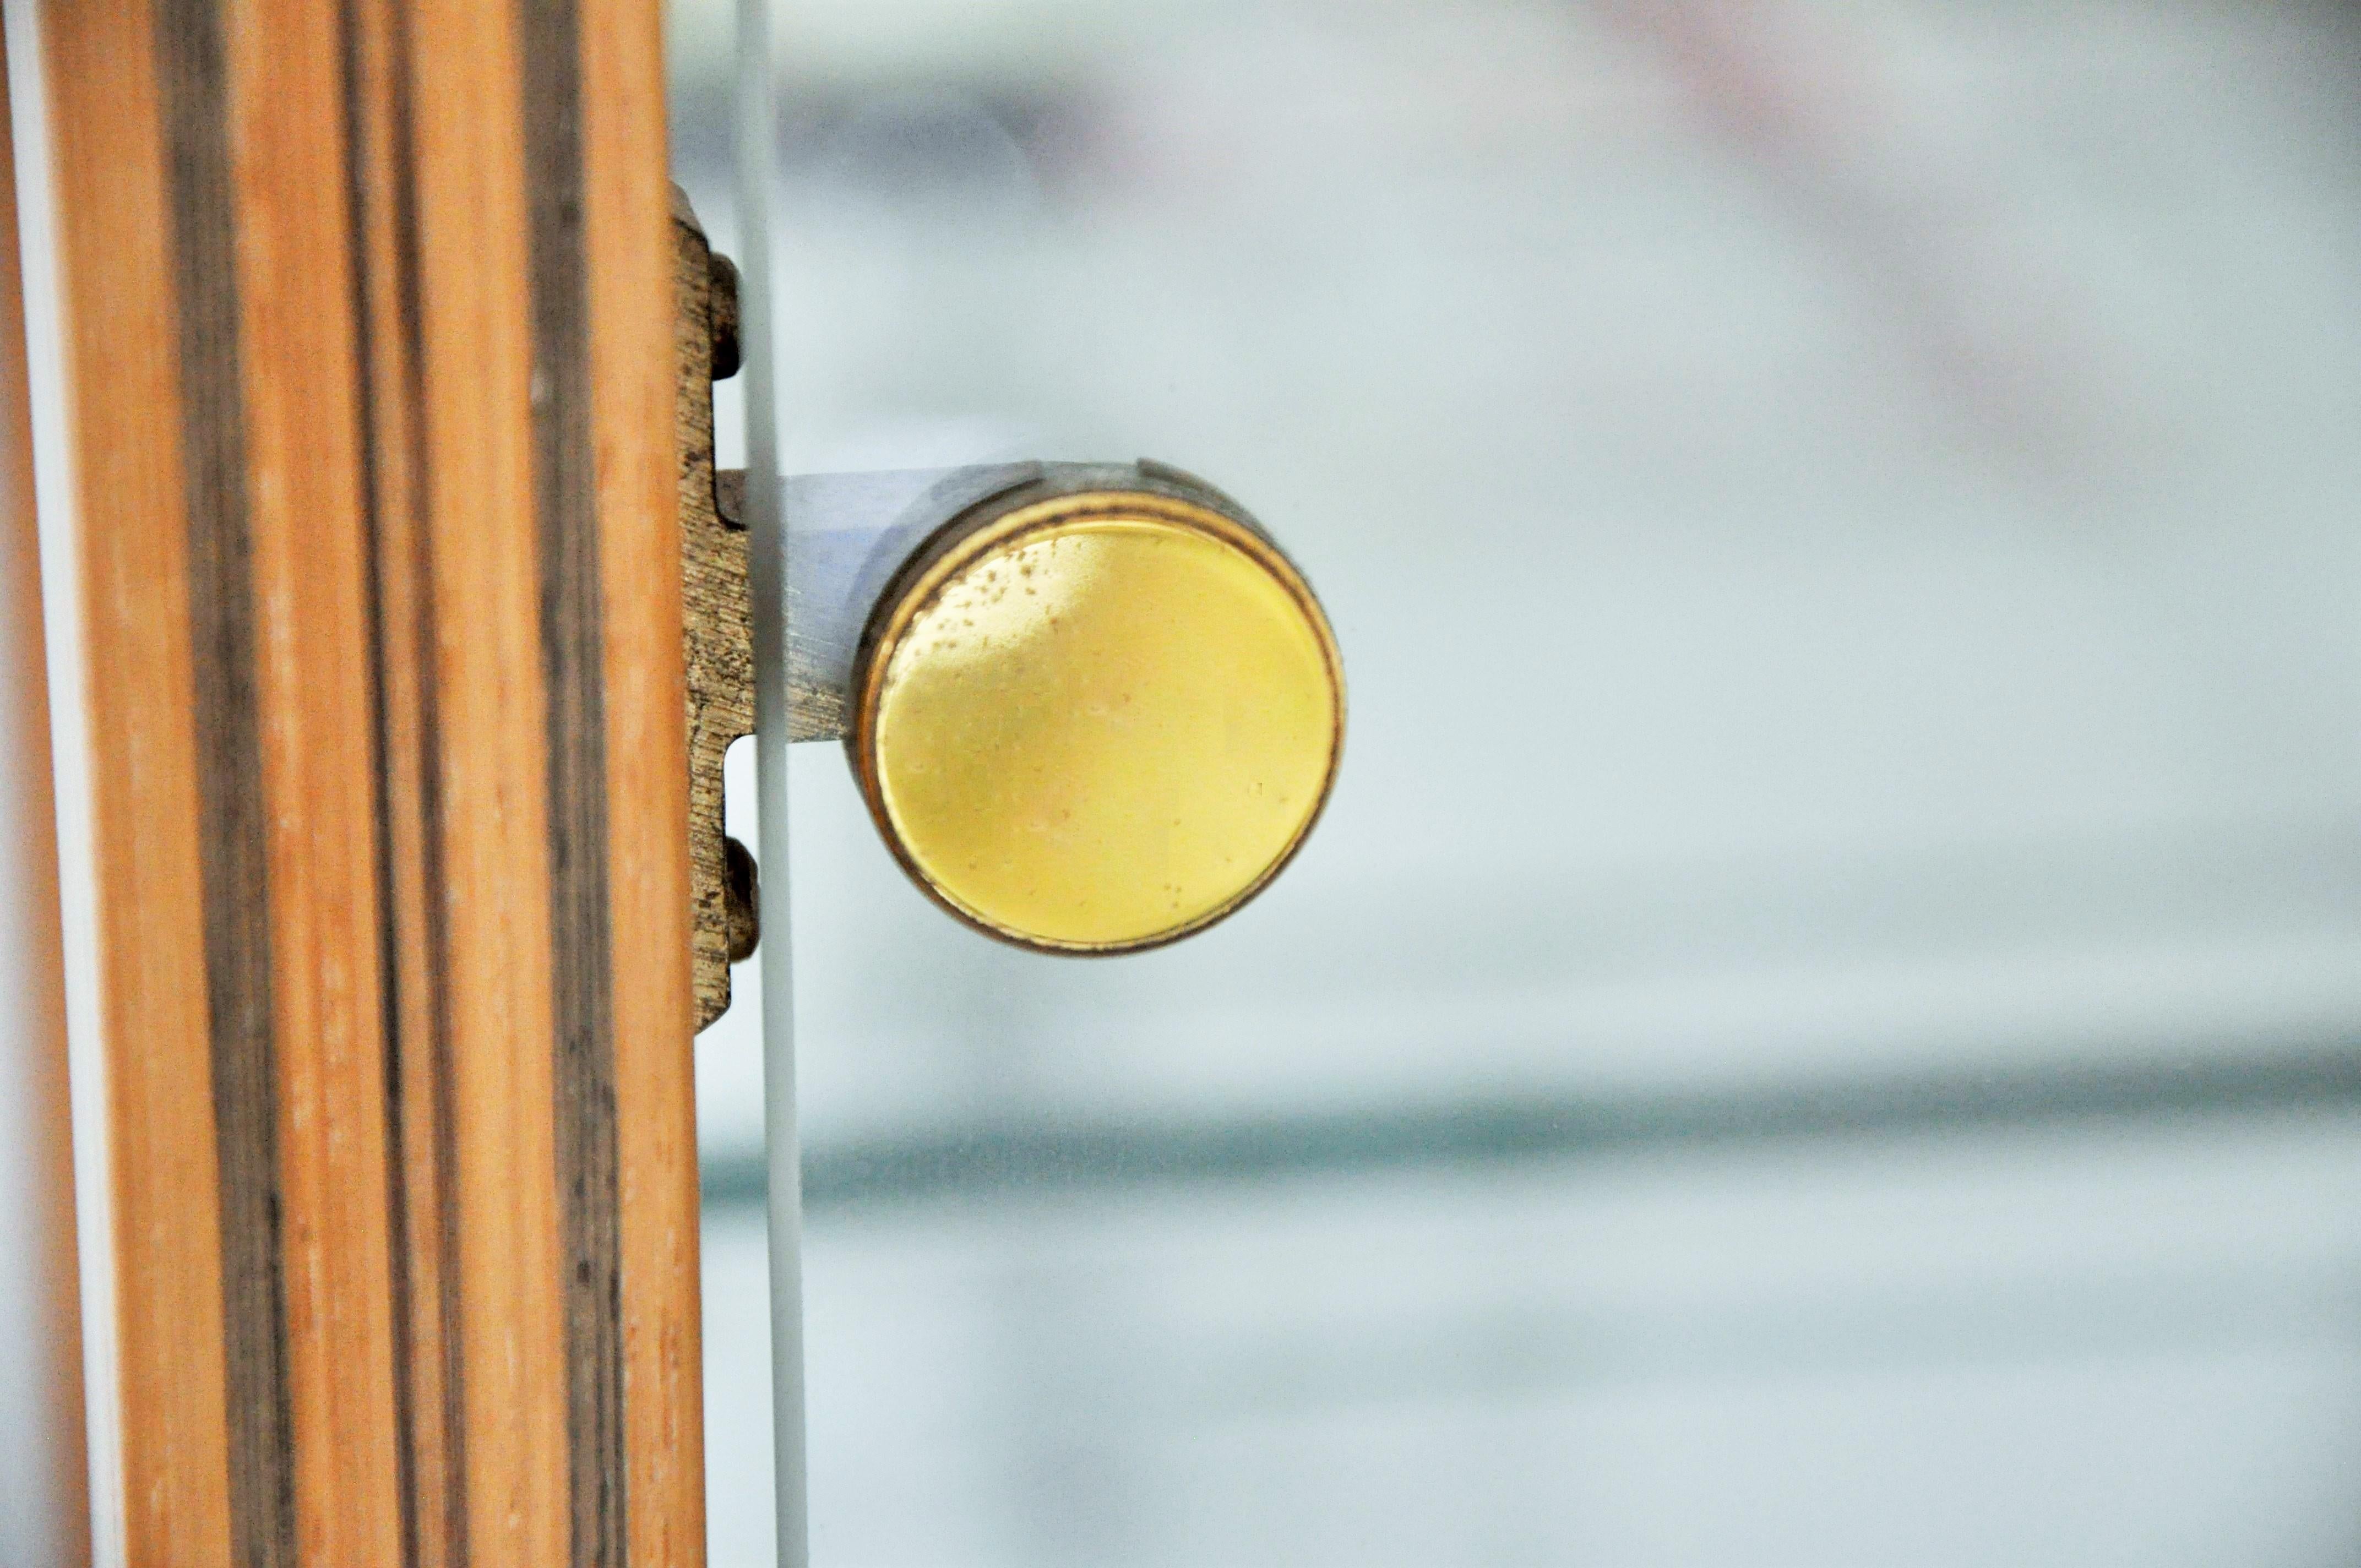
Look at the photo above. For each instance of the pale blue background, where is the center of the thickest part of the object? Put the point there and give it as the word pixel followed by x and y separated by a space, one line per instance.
pixel 1824 1024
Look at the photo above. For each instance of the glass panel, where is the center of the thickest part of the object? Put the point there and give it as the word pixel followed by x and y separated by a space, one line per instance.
pixel 1824 1017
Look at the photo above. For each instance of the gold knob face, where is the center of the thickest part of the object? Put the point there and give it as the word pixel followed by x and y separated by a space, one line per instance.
pixel 1099 722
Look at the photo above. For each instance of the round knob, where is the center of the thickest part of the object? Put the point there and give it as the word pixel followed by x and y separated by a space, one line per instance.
pixel 1095 719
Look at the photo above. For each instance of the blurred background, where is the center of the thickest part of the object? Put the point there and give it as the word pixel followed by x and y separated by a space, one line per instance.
pixel 1823 1023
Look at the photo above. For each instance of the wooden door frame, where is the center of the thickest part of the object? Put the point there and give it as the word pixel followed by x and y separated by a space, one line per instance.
pixel 352 368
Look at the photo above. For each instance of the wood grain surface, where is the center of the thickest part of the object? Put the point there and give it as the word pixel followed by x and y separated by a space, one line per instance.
pixel 371 343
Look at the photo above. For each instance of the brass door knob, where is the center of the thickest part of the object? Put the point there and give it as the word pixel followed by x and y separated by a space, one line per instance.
pixel 1093 708
pixel 1093 711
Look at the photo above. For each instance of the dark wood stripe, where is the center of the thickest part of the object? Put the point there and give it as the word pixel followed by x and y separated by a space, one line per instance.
pixel 383 185
pixel 410 292
pixel 573 660
pixel 366 358
pixel 192 79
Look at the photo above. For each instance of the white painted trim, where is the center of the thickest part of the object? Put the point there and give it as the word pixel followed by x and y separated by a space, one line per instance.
pixel 62 600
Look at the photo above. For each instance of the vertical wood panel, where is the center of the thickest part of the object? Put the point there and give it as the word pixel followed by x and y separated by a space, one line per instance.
pixel 635 380
pixel 476 370
pixel 124 421
pixel 233 893
pixel 373 364
pixel 304 485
